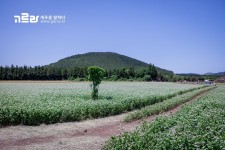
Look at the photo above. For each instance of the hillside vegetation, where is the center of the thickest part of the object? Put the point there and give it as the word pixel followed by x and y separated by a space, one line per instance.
pixel 106 60
pixel 117 67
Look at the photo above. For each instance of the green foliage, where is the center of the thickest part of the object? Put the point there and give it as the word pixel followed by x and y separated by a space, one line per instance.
pixel 147 78
pixel 74 73
pixel 106 60
pixel 41 73
pixel 95 74
pixel 199 125
pixel 152 71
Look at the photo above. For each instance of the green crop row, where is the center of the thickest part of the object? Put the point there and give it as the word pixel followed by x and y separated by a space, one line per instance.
pixel 164 105
pixel 199 125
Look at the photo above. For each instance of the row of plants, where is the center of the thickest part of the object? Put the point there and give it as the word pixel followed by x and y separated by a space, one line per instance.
pixel 37 103
pixel 199 125
pixel 164 105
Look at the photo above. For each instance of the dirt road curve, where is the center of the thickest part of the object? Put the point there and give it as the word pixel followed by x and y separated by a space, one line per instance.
pixel 86 135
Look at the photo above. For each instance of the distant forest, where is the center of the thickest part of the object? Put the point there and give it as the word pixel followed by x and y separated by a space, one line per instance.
pixel 149 73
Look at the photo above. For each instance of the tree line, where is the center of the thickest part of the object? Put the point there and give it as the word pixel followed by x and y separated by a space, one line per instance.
pixel 149 73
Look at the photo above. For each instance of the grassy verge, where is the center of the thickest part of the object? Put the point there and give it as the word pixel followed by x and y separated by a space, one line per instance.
pixel 164 105
pixel 199 125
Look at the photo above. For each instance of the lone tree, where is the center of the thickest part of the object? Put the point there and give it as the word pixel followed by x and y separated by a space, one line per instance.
pixel 95 74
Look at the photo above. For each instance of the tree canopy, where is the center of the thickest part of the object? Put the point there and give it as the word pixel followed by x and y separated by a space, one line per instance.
pixel 95 74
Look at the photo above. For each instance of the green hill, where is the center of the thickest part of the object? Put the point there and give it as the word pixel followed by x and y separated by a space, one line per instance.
pixel 106 60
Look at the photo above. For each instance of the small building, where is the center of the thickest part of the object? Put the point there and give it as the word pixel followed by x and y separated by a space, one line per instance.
pixel 208 82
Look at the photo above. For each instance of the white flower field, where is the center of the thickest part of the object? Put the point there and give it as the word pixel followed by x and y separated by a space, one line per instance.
pixel 34 103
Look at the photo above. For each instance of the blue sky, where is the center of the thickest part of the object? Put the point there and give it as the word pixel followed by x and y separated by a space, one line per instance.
pixel 179 35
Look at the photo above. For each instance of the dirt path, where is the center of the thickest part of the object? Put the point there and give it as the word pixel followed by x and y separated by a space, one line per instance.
pixel 90 134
